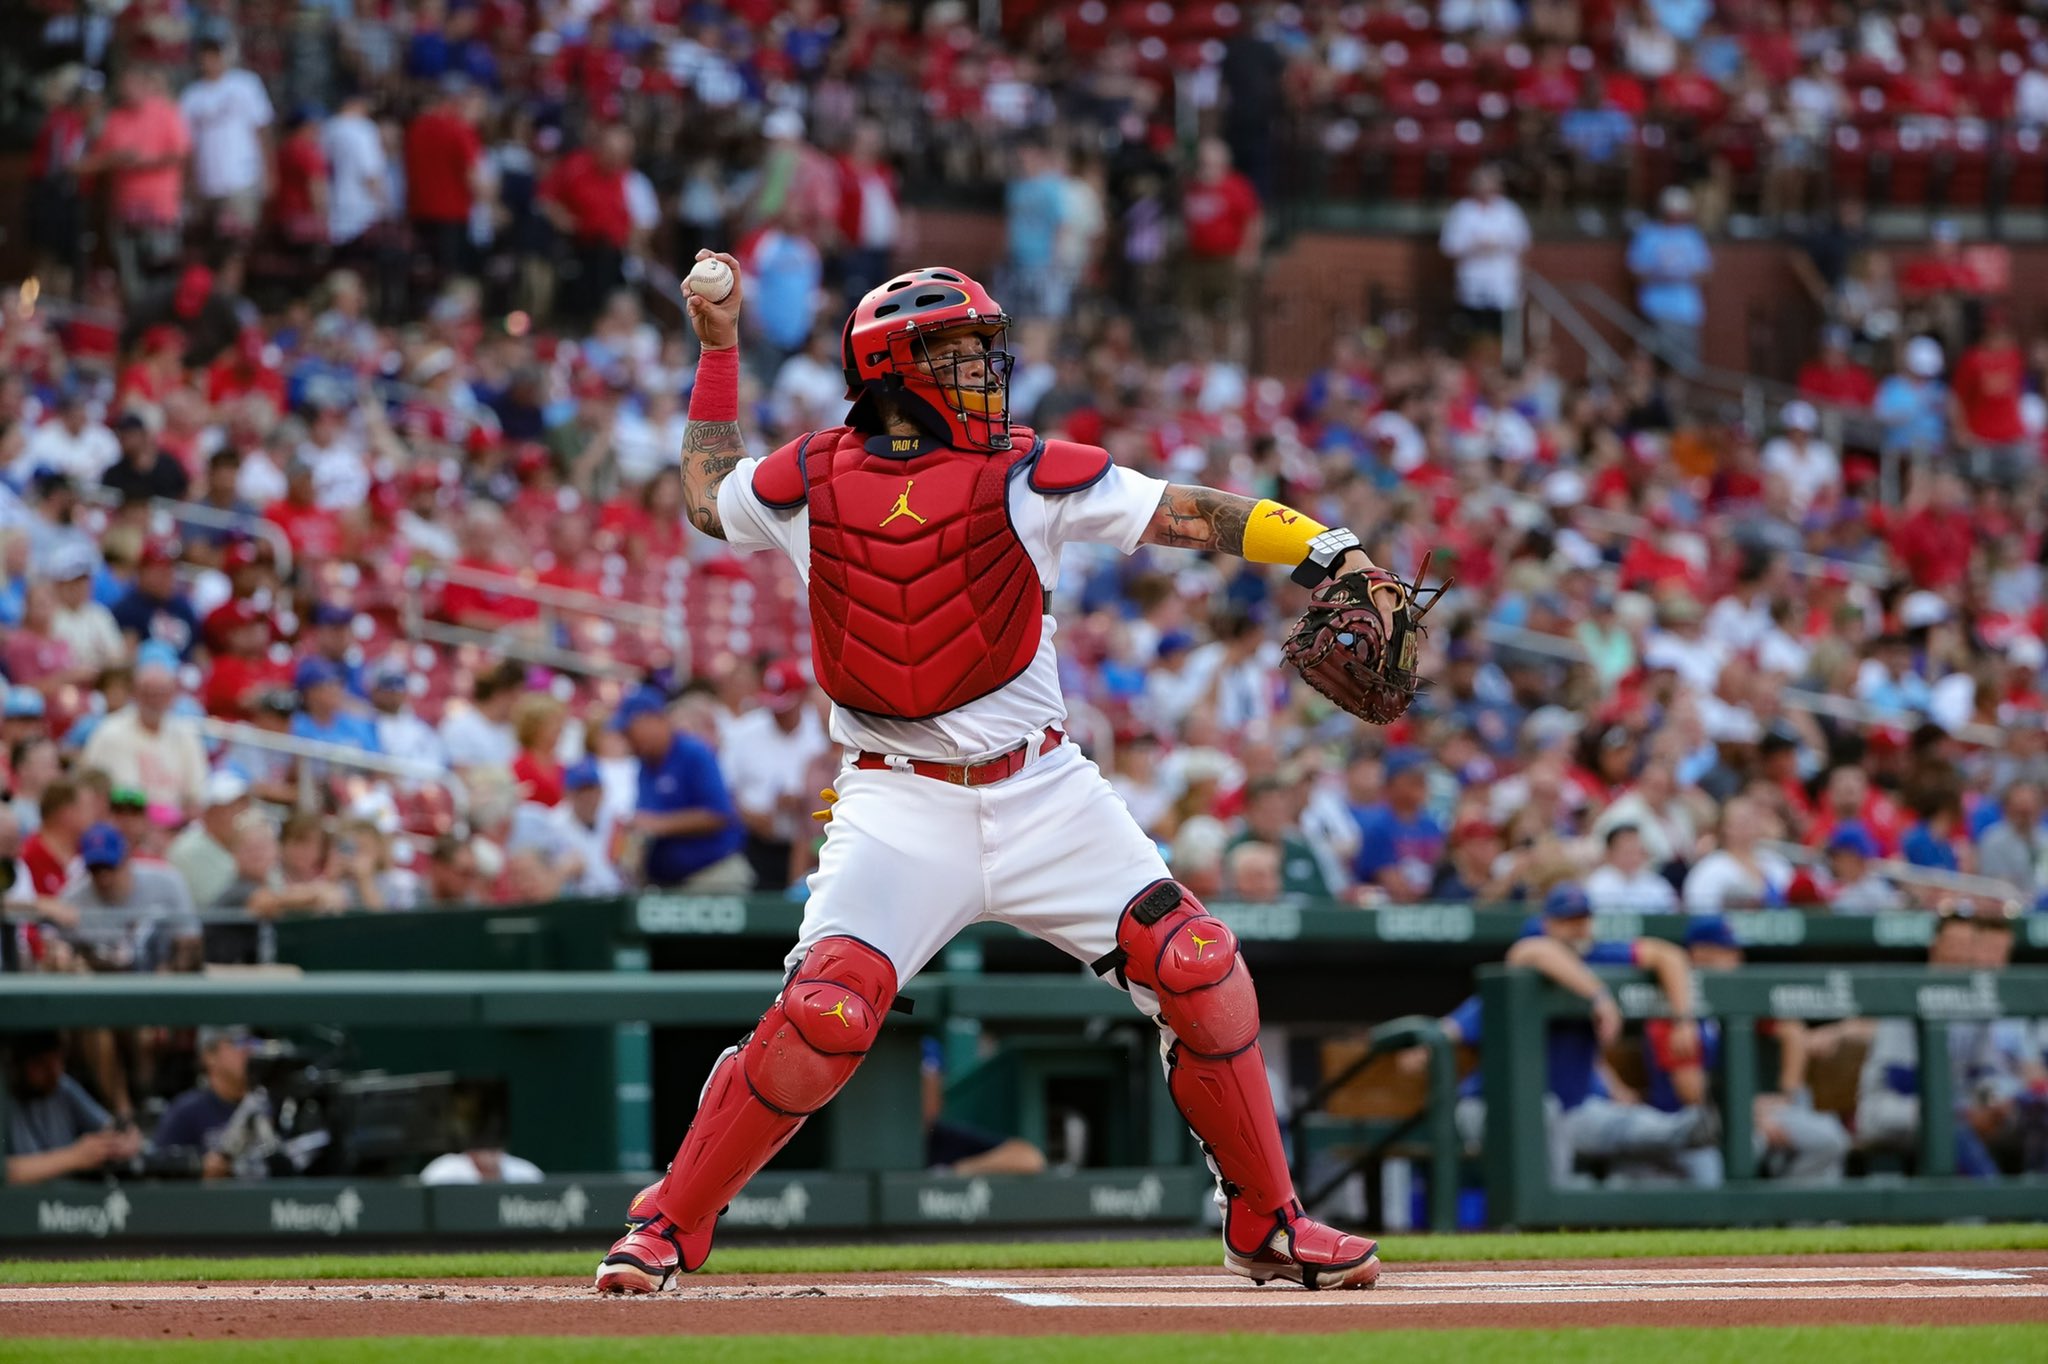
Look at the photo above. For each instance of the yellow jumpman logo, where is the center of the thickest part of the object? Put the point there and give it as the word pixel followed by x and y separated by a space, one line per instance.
pixel 838 1011
pixel 903 505
pixel 1201 943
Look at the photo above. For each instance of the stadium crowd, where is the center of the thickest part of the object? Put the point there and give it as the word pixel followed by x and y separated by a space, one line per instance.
pixel 401 355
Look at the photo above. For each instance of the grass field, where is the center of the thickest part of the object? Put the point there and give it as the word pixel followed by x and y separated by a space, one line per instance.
pixel 1101 1254
pixel 1614 1345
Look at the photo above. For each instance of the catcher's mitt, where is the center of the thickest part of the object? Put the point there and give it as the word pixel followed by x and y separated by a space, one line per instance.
pixel 1364 661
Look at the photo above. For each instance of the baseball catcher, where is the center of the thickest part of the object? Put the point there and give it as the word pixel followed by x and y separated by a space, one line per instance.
pixel 927 529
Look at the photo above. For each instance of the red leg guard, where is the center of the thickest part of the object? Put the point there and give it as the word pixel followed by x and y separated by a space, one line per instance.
pixel 801 1053
pixel 1174 948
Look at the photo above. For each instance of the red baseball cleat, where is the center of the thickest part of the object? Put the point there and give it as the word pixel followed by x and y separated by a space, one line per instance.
pixel 1298 1249
pixel 653 1250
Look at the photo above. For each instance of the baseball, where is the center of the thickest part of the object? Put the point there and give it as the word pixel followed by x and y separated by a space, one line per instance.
pixel 711 280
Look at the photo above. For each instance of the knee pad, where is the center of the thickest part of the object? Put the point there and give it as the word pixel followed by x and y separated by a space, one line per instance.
pixel 812 1039
pixel 802 1052
pixel 1171 945
pixel 1168 943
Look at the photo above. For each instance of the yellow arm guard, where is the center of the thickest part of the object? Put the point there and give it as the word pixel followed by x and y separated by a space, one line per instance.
pixel 1277 534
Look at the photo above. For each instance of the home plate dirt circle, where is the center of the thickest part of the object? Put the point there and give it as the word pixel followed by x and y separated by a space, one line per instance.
pixel 1719 1292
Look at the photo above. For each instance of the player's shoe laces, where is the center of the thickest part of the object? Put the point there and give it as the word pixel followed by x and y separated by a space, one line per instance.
pixel 653 1250
pixel 1298 1249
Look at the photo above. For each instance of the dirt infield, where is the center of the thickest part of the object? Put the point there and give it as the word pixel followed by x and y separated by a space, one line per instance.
pixel 1950 1290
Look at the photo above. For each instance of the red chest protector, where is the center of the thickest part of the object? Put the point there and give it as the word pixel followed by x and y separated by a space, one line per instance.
pixel 922 596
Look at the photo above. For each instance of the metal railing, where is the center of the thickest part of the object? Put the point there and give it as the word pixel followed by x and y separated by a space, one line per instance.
pixel 1798 561
pixel 199 514
pixel 337 755
pixel 553 602
pixel 1754 398
pixel 1856 712
pixel 1907 873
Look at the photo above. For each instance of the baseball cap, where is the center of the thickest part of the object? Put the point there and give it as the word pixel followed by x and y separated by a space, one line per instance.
pixel 224 787
pixel 211 1037
pixel 1799 416
pixel 315 672
pixel 640 701
pixel 783 686
pixel 390 677
pixel 1710 930
pixel 1400 760
pixel 24 703
pixel 70 563
pixel 102 846
pixel 158 552
pixel 128 799
pixel 1467 830
pixel 130 421
pixel 1566 901
pixel 1174 642
pixel 332 613
pixel 1923 357
pixel 581 775
pixel 1853 838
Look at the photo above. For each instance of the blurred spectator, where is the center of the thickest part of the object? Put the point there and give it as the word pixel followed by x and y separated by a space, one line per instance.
pixel 228 113
pixel 1990 380
pixel 50 856
pixel 1912 404
pixel 54 1127
pixel 57 227
pixel 1035 212
pixel 2012 849
pixel 400 730
pixel 443 154
pixel 871 219
pixel 197 1120
pixel 1809 466
pixel 1476 867
pixel 581 833
pixel 766 756
pixel 692 838
pixel 1251 872
pixel 480 734
pixel 143 146
pixel 1669 258
pixel 537 723
pixel 1400 841
pixel 1833 377
pixel 1739 874
pixel 1485 235
pixel 203 852
pixel 480 1165
pixel 133 915
pixel 453 877
pixel 785 274
pixel 143 470
pixel 35 657
pixel 154 608
pixel 1624 882
pixel 1225 231
pixel 71 443
pixel 586 198
pixel 145 746
pixel 360 194
pixel 1857 888
pixel 1272 818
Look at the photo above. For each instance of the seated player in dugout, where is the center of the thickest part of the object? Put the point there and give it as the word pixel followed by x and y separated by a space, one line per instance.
pixel 1589 1115
pixel 928 532
pixel 1792 1140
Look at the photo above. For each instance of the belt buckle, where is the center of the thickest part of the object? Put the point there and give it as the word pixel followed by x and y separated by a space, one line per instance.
pixel 961 774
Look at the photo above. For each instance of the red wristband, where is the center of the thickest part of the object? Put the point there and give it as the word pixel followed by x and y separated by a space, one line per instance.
pixel 716 397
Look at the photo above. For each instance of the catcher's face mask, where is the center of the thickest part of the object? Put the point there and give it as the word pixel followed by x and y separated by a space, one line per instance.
pixel 963 372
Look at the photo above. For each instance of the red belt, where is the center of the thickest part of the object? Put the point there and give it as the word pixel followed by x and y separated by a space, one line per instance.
pixel 970 774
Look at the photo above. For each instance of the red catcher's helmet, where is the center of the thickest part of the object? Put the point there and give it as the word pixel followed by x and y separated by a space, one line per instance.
pixel 886 350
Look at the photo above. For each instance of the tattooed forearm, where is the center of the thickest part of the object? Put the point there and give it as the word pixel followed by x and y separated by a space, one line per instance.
pixel 710 452
pixel 1193 517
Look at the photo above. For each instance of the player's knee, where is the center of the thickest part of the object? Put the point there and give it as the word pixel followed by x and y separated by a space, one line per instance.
pixel 1189 959
pixel 812 1039
pixel 1172 944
